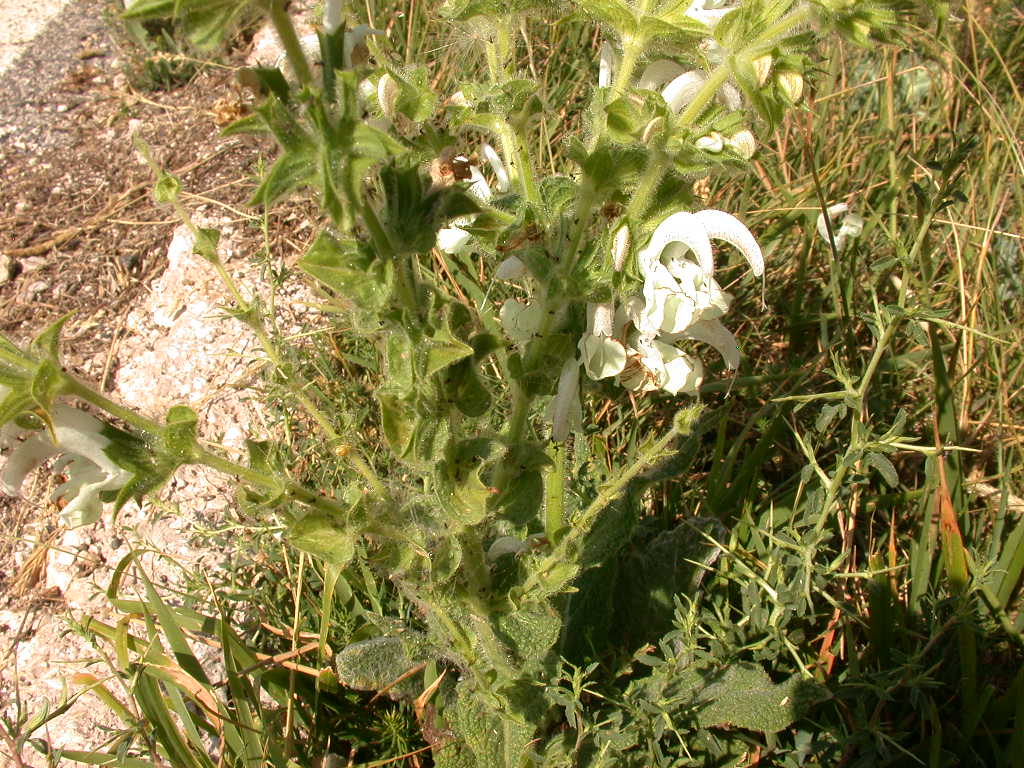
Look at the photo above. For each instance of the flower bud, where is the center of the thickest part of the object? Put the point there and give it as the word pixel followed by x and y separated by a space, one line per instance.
pixel 792 84
pixel 458 99
pixel 620 247
pixel 712 143
pixel 743 144
pixel 762 68
pixel 652 128
pixel 387 95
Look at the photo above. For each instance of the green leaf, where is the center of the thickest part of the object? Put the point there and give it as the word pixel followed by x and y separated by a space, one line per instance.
pixel 13 405
pixel 371 665
pixel 531 632
pixel 206 244
pixel 470 395
pixel 167 188
pixel 292 170
pixel 881 462
pixel 323 536
pixel 179 439
pixel 441 350
pixel 351 271
pixel 737 696
pixel 617 15
pixel 398 422
pixel 445 559
pixel 46 385
pixel 399 349
pixel 47 343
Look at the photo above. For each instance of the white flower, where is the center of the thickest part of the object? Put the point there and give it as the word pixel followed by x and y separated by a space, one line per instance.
pixel 851 228
pixel 87 469
pixel 681 300
pixel 565 411
pixel 603 355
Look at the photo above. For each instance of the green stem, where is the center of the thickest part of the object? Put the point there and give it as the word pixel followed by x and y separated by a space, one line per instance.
pixel 290 41
pixel 657 165
pixel 554 491
pixel 200 454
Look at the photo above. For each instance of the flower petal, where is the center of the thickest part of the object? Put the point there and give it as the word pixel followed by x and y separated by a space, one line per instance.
pixel 453 239
pixel 566 413
pixel 602 356
pixel 717 335
pixel 658 73
pixel 500 174
pixel 680 372
pixel 682 227
pixel 606 67
pixel 682 90
pixel 25 456
pixel 723 226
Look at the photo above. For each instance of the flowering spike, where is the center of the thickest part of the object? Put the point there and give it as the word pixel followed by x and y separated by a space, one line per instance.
pixel 723 226
pixel 685 228
pixel 658 73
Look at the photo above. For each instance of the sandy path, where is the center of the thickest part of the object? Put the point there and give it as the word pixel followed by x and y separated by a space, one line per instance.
pixel 20 22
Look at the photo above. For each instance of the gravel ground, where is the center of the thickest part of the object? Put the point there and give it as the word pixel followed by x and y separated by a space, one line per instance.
pixel 147 325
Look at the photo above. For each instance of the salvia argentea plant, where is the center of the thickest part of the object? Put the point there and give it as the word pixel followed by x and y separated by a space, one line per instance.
pixel 604 277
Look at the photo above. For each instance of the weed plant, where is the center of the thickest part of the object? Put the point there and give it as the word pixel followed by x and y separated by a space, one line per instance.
pixel 815 560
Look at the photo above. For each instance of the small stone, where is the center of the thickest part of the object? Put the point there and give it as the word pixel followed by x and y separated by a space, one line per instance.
pixel 6 268
pixel 32 263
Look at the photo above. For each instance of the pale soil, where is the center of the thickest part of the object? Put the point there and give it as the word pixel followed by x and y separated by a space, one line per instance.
pixel 149 327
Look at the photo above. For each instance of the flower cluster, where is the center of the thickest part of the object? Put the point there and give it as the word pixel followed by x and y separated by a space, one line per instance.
pixel 86 468
pixel 680 300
